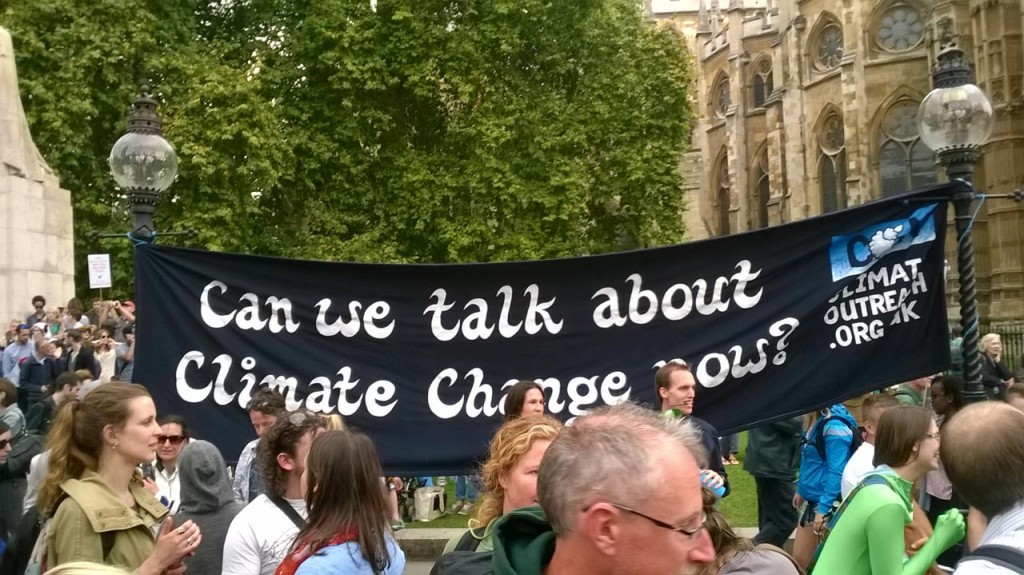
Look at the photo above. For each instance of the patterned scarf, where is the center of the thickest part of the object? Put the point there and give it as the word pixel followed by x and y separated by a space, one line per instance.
pixel 304 551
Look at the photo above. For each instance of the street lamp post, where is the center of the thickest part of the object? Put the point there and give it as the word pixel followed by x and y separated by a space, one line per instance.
pixel 143 164
pixel 955 121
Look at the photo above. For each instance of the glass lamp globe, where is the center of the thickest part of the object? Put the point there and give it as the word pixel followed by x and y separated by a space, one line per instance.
pixel 955 117
pixel 143 161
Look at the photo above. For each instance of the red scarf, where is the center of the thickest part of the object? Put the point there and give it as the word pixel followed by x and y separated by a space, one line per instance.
pixel 304 551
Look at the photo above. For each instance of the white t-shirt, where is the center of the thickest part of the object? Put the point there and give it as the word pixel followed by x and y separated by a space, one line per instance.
pixel 857 467
pixel 260 537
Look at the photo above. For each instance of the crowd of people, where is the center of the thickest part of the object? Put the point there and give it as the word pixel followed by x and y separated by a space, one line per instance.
pixel 91 477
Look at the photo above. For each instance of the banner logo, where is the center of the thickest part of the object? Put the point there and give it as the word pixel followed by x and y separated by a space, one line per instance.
pixel 855 253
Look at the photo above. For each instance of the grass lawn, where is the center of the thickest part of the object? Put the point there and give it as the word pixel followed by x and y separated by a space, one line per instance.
pixel 740 507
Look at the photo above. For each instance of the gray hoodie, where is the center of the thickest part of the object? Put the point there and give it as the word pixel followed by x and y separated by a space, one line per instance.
pixel 206 499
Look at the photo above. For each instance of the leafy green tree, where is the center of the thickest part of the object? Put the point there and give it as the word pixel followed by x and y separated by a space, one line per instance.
pixel 396 130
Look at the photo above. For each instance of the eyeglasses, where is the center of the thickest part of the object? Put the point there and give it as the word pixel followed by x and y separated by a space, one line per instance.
pixel 688 532
pixel 172 439
pixel 4 443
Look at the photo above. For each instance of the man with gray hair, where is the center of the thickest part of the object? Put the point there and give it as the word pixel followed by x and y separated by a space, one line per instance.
pixel 619 493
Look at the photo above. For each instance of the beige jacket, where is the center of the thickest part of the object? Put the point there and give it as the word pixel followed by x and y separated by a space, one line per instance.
pixel 92 508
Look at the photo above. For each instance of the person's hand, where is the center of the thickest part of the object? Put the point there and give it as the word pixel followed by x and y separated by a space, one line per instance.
pixel 174 544
pixel 916 546
pixel 711 479
pixel 819 523
pixel 150 486
pixel 797 501
pixel 175 570
pixel 949 528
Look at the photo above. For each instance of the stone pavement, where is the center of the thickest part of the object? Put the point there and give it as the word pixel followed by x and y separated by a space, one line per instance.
pixel 425 545
pixel 417 567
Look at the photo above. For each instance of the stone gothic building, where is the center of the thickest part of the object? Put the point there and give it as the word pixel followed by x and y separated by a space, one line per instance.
pixel 809 106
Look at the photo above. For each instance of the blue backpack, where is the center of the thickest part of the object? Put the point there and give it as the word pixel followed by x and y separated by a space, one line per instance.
pixel 818 435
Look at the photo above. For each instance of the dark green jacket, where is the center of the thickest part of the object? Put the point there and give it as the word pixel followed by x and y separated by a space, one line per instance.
pixel 773 450
pixel 523 542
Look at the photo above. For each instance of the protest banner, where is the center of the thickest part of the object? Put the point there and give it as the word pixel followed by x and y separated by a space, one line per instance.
pixel 773 322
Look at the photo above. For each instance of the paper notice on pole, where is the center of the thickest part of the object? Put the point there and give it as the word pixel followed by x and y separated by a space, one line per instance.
pixel 99 271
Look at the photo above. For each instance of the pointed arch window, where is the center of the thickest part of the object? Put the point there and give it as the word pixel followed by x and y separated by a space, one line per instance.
pixel 721 97
pixel 761 84
pixel 827 46
pixel 723 194
pixel 832 164
pixel 904 162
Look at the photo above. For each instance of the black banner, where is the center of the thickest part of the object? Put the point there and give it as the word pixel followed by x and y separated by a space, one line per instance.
pixel 774 322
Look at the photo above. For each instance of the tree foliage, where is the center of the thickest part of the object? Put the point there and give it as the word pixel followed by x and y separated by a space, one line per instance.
pixel 396 130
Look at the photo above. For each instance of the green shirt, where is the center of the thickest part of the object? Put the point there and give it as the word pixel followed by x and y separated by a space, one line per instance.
pixel 907 395
pixel 868 537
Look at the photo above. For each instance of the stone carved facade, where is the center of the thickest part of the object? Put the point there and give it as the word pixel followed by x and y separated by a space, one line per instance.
pixel 36 245
pixel 807 106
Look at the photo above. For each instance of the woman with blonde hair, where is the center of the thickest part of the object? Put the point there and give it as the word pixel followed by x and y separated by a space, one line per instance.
pixel 995 376
pixel 93 490
pixel 509 476
pixel 335 423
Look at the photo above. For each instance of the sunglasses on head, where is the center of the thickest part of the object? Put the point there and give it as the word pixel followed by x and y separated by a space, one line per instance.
pixel 299 418
pixel 172 439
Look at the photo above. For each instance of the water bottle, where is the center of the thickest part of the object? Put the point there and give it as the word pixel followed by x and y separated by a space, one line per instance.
pixel 705 480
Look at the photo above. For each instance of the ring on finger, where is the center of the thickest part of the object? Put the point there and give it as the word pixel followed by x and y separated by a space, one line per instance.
pixel 181 530
pixel 188 542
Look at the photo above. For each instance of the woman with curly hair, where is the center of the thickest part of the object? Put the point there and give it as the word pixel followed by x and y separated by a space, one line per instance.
pixel 509 476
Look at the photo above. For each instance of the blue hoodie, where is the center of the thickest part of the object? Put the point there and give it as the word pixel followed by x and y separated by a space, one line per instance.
pixel 821 481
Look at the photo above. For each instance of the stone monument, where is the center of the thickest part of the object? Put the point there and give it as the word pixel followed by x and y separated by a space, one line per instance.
pixel 36 244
